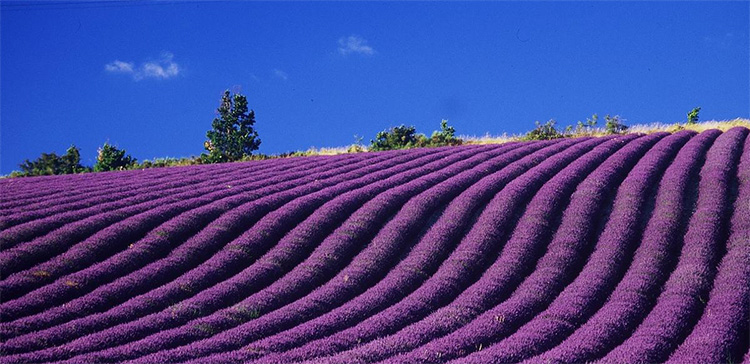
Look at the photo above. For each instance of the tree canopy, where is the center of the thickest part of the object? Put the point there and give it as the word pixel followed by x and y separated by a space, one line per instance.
pixel 232 136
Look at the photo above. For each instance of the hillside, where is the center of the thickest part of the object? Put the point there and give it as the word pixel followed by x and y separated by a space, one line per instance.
pixel 629 248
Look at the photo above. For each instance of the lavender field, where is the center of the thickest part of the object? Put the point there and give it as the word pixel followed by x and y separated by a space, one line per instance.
pixel 619 249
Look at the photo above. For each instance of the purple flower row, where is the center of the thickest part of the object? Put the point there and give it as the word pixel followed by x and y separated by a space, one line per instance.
pixel 717 337
pixel 588 179
pixel 476 249
pixel 278 185
pixel 367 266
pixel 108 192
pixel 614 321
pixel 141 203
pixel 618 249
pixel 238 251
pixel 606 264
pixel 683 297
pixel 127 225
pixel 285 254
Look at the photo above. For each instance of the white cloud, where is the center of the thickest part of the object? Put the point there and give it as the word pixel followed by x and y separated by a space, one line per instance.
pixel 280 74
pixel 163 68
pixel 119 67
pixel 354 44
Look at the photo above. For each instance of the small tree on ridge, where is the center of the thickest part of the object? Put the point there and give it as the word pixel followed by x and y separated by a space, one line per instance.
pixel 232 136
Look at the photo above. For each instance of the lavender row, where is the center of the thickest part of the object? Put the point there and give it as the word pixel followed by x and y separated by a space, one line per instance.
pixel 717 337
pixel 588 180
pixel 421 260
pixel 18 237
pixel 683 298
pixel 466 261
pixel 40 188
pixel 310 232
pixel 259 202
pixel 602 270
pixel 20 191
pixel 124 226
pixel 651 263
pixel 364 268
pixel 67 194
pixel 263 228
pixel 71 188
pixel 117 192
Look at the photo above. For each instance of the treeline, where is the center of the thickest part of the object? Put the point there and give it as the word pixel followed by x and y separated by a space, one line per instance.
pixel 233 138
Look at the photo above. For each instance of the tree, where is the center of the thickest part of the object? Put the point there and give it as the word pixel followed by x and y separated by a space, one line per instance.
pixel 692 116
pixel 111 158
pixel 614 124
pixel 51 163
pixel 232 136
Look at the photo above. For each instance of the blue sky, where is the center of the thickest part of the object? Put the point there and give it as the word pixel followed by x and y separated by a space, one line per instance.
pixel 148 78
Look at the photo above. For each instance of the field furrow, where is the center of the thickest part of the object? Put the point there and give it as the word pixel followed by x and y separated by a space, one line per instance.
pixel 619 249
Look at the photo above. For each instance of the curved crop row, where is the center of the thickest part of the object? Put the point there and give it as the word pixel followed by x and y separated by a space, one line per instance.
pixel 258 203
pixel 257 237
pixel 628 248
pixel 605 264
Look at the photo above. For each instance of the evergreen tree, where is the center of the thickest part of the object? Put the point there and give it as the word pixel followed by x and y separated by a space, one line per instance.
pixel 232 136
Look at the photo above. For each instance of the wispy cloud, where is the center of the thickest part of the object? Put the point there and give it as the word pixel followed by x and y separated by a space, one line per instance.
pixel 354 44
pixel 280 74
pixel 163 68
pixel 119 67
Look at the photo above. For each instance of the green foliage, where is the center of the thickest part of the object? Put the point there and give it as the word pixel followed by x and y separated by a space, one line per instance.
pixel 446 136
pixel 405 137
pixel 544 131
pixel 166 162
pixel 587 127
pixel 399 137
pixel 692 116
pixel 111 158
pixel 51 163
pixel 232 136
pixel 614 124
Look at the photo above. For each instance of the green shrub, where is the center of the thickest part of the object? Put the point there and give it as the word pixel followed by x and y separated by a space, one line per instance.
pixel 166 162
pixel 405 137
pixel 111 158
pixel 614 124
pixel 544 131
pixel 399 137
pixel 446 136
